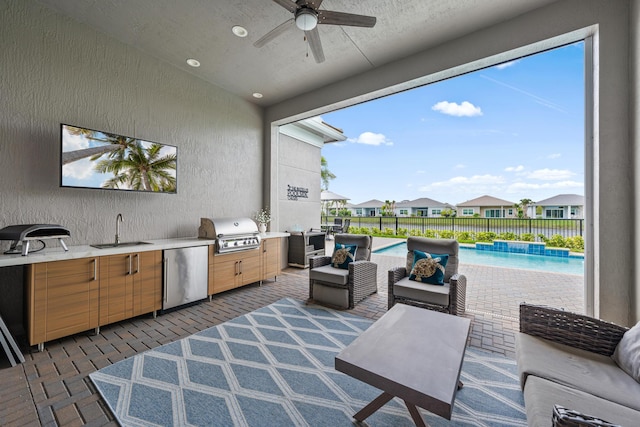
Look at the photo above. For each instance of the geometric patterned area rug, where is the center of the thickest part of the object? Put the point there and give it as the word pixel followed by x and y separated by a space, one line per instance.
pixel 275 367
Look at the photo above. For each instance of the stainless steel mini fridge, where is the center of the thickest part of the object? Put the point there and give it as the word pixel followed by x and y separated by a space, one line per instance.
pixel 185 275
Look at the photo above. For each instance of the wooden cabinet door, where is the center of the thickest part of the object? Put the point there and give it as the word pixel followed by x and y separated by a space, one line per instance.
pixel 250 267
pixel 147 282
pixel 62 298
pixel 225 273
pixel 270 258
pixel 116 288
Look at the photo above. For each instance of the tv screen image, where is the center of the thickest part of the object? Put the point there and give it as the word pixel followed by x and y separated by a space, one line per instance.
pixel 98 159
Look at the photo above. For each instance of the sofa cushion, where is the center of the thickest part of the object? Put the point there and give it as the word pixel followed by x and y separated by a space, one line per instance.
pixel 338 297
pixel 589 372
pixel 540 395
pixel 428 268
pixel 343 255
pixel 627 353
pixel 433 294
pixel 330 274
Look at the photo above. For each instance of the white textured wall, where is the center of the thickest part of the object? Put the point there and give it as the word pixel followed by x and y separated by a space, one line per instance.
pixel 298 166
pixel 612 271
pixel 55 70
pixel 634 114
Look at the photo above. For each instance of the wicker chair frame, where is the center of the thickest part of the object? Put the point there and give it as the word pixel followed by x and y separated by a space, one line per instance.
pixel 363 278
pixel 572 329
pixel 563 417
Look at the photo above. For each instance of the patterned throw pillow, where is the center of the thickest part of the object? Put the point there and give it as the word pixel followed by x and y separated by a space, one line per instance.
pixel 428 268
pixel 343 255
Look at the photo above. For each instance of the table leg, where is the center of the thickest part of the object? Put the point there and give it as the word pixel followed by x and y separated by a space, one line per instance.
pixel 415 415
pixel 460 385
pixel 372 407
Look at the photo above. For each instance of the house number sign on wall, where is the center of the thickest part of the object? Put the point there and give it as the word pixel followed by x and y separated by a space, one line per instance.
pixel 294 192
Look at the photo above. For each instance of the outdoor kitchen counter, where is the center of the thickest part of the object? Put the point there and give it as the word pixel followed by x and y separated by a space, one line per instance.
pixel 86 251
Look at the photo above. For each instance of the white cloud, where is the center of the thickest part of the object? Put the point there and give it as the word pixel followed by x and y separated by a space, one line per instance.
pixel 518 168
pixel 554 156
pixel 466 183
pixel 79 169
pixel 72 142
pixel 520 187
pixel 551 174
pixel 370 138
pixel 466 109
pixel 460 166
pixel 507 64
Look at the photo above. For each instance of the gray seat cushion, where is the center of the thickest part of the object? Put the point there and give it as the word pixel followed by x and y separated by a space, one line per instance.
pixel 540 395
pixel 433 294
pixel 330 274
pixel 589 372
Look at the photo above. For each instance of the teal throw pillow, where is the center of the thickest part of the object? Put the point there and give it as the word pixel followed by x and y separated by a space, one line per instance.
pixel 428 268
pixel 343 255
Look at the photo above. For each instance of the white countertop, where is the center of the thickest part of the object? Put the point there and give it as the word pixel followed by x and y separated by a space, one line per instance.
pixel 87 251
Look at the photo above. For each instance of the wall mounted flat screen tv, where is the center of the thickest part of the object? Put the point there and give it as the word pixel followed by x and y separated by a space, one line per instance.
pixel 98 159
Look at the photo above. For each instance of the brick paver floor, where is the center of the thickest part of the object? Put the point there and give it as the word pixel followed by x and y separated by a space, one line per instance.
pixel 53 388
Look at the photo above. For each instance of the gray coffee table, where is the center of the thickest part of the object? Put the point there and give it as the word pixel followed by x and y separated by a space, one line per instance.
pixel 412 353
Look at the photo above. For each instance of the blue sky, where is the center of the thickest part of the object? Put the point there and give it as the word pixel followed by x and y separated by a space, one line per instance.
pixel 511 131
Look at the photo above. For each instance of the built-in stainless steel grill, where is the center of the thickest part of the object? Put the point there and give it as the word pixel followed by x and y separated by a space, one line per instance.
pixel 231 234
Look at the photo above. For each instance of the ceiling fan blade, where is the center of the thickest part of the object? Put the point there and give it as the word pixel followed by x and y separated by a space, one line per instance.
pixel 314 4
pixel 313 37
pixel 291 6
pixel 340 18
pixel 274 33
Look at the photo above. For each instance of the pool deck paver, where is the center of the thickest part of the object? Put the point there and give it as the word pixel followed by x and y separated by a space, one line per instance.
pixel 53 388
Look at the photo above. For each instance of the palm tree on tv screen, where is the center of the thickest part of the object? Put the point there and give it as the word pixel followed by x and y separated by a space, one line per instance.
pixel 115 145
pixel 143 168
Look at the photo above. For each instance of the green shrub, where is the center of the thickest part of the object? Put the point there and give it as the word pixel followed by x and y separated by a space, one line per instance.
pixel 364 230
pixel 465 236
pixel 429 233
pixel 542 237
pixel 556 241
pixel 402 232
pixel 389 231
pixel 507 235
pixel 375 231
pixel 446 234
pixel 486 236
pixel 575 243
pixel 527 237
pixel 415 232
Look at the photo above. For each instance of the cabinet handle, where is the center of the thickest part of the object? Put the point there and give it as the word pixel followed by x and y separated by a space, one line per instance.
pixel 240 264
pixel 137 264
pixel 95 269
pixel 166 267
pixel 129 272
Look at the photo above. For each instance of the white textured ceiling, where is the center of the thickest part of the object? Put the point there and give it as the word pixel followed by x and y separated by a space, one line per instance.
pixel 174 30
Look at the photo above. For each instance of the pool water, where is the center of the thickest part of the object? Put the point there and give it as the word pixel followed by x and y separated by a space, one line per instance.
pixel 570 265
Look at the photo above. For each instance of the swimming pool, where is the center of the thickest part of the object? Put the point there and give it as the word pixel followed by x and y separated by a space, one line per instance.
pixel 570 265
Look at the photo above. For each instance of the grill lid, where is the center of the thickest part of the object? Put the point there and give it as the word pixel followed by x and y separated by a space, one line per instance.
pixel 231 234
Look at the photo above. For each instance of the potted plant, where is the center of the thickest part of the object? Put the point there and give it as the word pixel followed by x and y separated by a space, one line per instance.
pixel 262 217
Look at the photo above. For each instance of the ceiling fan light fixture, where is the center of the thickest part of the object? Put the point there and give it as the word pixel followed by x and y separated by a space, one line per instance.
pixel 193 62
pixel 239 31
pixel 306 19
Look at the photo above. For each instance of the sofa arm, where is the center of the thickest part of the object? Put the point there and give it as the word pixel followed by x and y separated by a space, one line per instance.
pixel 363 280
pixel 457 294
pixel 319 261
pixel 394 275
pixel 563 417
pixel 572 329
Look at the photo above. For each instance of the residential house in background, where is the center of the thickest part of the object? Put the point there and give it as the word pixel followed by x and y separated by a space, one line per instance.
pixel 422 207
pixel 562 206
pixel 487 207
pixel 370 208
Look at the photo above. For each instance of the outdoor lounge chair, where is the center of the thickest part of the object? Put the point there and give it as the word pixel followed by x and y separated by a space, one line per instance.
pixel 344 287
pixel 447 298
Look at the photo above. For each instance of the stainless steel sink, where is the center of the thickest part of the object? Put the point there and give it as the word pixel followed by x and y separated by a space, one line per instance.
pixel 119 245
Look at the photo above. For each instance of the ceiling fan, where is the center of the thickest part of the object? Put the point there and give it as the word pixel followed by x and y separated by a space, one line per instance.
pixel 307 17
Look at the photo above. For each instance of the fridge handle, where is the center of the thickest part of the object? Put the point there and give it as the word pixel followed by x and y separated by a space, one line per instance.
pixel 166 267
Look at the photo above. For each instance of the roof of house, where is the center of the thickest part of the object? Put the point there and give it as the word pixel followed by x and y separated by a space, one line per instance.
pixel 373 203
pixel 486 201
pixel 563 200
pixel 423 202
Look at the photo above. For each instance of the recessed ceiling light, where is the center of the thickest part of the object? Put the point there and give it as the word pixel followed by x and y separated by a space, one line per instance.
pixel 239 31
pixel 193 62
pixel 257 95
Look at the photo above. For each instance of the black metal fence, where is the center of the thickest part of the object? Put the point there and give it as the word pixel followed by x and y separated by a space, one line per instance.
pixel 519 228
